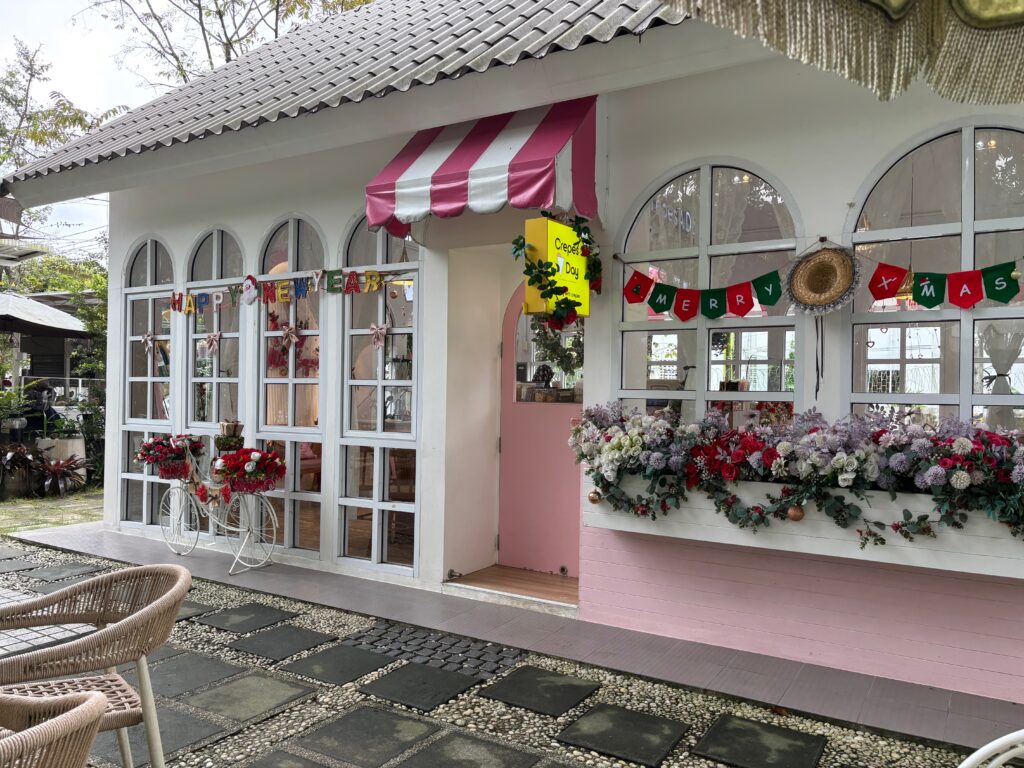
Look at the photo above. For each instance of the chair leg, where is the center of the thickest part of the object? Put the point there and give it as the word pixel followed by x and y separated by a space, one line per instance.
pixel 125 747
pixel 156 747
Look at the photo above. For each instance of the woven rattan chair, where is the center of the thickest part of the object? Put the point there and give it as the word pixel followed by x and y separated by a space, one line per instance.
pixel 51 732
pixel 134 611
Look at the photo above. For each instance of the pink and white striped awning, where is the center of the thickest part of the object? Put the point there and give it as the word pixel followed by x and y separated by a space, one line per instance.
pixel 536 158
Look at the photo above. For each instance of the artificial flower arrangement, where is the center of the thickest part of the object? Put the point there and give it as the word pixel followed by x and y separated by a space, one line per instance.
pixel 962 467
pixel 249 470
pixel 168 453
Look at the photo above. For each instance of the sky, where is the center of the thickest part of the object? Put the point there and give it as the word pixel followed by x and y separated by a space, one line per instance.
pixel 84 50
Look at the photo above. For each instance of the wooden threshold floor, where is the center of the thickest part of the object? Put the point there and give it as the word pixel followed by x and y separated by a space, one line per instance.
pixel 517 581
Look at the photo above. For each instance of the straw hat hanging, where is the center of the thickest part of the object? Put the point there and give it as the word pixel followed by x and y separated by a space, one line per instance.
pixel 824 280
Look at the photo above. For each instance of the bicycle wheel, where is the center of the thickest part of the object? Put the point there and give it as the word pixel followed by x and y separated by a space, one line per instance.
pixel 256 536
pixel 179 519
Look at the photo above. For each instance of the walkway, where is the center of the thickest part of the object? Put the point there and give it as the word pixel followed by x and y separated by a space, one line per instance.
pixel 585 652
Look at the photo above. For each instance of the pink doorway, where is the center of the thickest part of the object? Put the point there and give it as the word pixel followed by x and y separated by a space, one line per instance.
pixel 539 483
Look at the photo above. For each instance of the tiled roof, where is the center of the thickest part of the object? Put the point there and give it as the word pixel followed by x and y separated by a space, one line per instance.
pixel 385 46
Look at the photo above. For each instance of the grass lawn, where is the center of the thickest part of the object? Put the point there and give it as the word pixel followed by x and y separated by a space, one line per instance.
pixel 22 514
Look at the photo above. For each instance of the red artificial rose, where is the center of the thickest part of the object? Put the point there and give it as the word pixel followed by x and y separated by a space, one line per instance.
pixel 768 456
pixel 969 466
pixel 729 472
pixel 225 494
pixel 750 444
pixel 990 460
pixel 595 285
pixel 957 459
pixel 738 456
pixel 555 324
pixel 1003 476
pixel 876 437
pixel 946 463
pixel 571 317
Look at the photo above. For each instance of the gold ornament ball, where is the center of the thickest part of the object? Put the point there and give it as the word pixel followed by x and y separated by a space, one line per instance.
pixel 795 513
pixel 594 496
pixel 1015 275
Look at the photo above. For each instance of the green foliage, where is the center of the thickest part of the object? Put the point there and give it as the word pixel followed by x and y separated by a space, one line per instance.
pixel 62 475
pixel 13 402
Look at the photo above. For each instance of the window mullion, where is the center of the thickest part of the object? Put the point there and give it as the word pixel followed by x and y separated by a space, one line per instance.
pixel 704 225
pixel 966 263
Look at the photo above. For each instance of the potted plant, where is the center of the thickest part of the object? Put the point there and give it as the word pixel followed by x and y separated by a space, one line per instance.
pixel 63 475
pixel 61 439
pixel 18 465
pixel 170 454
pixel 250 470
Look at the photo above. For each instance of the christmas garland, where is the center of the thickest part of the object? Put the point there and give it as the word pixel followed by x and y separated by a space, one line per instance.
pixel 961 467
pixel 547 327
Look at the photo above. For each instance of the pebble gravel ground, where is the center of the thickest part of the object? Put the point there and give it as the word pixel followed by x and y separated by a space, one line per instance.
pixel 238 744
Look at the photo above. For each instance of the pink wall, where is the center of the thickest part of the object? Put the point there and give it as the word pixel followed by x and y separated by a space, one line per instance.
pixel 539 512
pixel 964 633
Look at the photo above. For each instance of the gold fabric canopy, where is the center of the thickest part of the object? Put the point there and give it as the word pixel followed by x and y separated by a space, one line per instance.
pixel 967 50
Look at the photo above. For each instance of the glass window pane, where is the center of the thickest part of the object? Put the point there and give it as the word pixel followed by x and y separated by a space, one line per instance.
pixel 276 314
pixel 998 248
pixel 276 404
pixel 280 506
pixel 140 317
pixel 161 356
pixel 362 247
pixel 202 402
pixel 139 359
pixel 669 219
pixel 747 413
pixel 307 313
pixel 161 400
pixel 277 359
pixel 998 174
pixel 311 250
pixel 400 474
pixel 363 404
pixel 680 411
pixel 745 208
pixel 230 257
pixel 398 357
pixel 133 441
pixel 307 525
pixel 357 524
pixel 665 360
pixel 162 315
pixel 164 268
pixel 307 405
pixel 681 273
pixel 399 537
pixel 940 254
pixel 228 316
pixel 202 262
pixel 202 322
pixel 740 268
pixel 227 358
pixel 138 275
pixel 999 357
pixel 363 358
pixel 308 462
pixel 228 402
pixel 402 250
pixel 922 188
pixel 398 409
pixel 400 308
pixel 275 256
pixel 752 360
pixel 358 472
pixel 133 494
pixel 137 408
pixel 202 360
pixel 922 414
pixel 307 357
pixel 906 358
pixel 364 309
pixel 996 416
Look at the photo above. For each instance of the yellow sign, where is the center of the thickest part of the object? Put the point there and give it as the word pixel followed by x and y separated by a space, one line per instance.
pixel 549 240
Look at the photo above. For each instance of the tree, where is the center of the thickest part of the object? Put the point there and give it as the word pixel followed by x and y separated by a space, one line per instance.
pixel 185 38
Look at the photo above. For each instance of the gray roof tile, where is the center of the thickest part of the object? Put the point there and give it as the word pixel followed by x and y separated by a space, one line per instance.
pixel 386 46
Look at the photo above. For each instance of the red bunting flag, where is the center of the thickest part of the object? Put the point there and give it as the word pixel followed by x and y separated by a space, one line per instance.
pixel 687 304
pixel 965 289
pixel 886 281
pixel 739 299
pixel 637 288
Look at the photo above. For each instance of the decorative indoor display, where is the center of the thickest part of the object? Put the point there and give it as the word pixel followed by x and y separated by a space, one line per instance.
pixel 999 282
pixel 168 454
pixel 684 303
pixel 963 468
pixel 249 470
pixel 823 280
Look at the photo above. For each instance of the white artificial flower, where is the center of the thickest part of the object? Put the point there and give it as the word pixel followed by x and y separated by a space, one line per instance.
pixel 962 445
pixel 850 465
pixel 846 479
pixel 219 464
pixel 839 461
pixel 254 456
pixel 693 429
pixel 784 448
pixel 960 479
pixel 250 466
pixel 779 467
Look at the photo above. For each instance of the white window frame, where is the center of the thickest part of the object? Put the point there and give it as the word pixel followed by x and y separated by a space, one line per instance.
pixel 703 253
pixel 966 229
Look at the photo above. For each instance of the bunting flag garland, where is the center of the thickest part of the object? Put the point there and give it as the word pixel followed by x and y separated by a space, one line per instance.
pixel 739 299
pixel 687 303
pixel 637 288
pixel 684 303
pixel 713 303
pixel 662 297
pixel 999 282
pixel 768 289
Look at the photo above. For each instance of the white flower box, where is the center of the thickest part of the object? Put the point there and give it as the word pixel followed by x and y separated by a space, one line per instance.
pixel 983 547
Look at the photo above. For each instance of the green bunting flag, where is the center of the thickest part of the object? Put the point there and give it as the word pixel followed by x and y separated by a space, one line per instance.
pixel 1000 285
pixel 662 297
pixel 768 289
pixel 713 303
pixel 929 288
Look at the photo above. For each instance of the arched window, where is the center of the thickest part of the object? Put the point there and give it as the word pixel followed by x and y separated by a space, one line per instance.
pixel 378 450
pixel 953 204
pixel 147 407
pixel 712 227
pixel 290 375
pixel 214 329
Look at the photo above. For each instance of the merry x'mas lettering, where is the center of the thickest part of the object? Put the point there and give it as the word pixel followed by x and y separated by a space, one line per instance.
pixel 281 291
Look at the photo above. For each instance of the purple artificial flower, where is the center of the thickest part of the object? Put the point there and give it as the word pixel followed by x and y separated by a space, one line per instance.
pixel 658 461
pixel 899 463
pixel 1017 473
pixel 935 475
pixel 676 463
pixel 922 446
